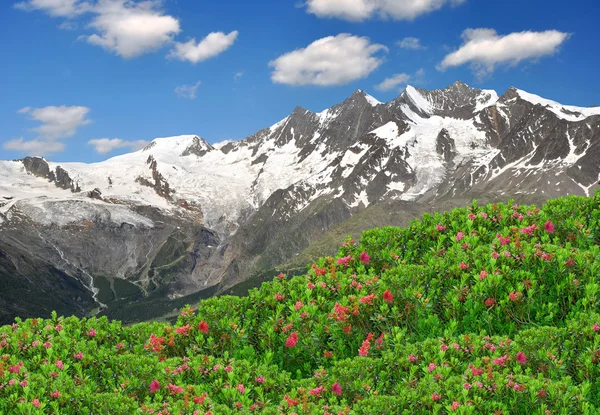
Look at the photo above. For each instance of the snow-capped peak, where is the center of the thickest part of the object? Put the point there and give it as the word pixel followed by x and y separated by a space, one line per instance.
pixel 419 100
pixel 566 112
pixel 372 100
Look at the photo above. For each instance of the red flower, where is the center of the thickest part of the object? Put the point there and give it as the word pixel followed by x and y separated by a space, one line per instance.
pixel 280 276
pixel 455 405
pixel 174 388
pixel 345 260
pixel 435 397
pixel 154 386
pixel 36 403
pixel 439 227
pixel 328 354
pixel 521 358
pixel 203 327
pixel 92 333
pixel 310 285
pixel 596 327
pixel 298 305
pixel 292 340
pixel 200 399
pixel 336 388
pixel 241 388
pixel 260 379
pixel 459 236
pixel 367 299
pixel 490 302
pixel 514 296
pixel 365 258
pixel 464 266
pixel 549 227
pixel 55 394
pixel 279 297
pixel 388 296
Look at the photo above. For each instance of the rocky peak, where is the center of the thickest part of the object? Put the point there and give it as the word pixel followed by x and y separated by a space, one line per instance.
pixel 198 147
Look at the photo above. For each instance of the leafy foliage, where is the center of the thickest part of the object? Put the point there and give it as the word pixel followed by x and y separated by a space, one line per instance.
pixel 488 309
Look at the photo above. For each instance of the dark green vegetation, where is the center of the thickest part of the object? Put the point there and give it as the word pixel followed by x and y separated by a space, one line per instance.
pixel 484 310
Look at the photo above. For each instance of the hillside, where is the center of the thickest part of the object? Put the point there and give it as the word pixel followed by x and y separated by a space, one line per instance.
pixel 489 309
pixel 184 219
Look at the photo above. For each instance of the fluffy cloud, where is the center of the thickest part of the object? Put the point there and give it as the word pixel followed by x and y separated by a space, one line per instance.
pixel 357 10
pixel 131 29
pixel 212 45
pixel 187 91
pixel 107 145
pixel 34 147
pixel 484 48
pixel 57 8
pixel 332 60
pixel 410 43
pixel 57 122
pixel 393 82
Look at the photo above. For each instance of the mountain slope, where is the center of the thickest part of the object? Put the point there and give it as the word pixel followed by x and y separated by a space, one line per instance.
pixel 182 215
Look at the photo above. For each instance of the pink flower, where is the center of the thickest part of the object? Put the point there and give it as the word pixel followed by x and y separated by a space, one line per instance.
pixel 490 302
pixel 501 361
pixel 154 386
pixel 174 388
pixel 183 330
pixel 431 367
pixel 91 333
pixel 521 358
pixel 24 383
pixel 444 347
pixel 279 297
pixel 435 397
pixel 58 327
pixel 455 405
pixel 459 236
pixel 55 394
pixel 475 371
pixel 365 258
pixel 345 260
pixel 316 391
pixel 298 305
pixel 59 364
pixel 483 275
pixel 440 227
pixel 78 356
pixel 464 266
pixel 596 327
pixel 36 403
pixel 495 255
pixel 336 388
pixel 47 345
pixel 549 227
pixel 280 276
pixel 472 216
pixel 310 285
pixel 412 358
pixel 514 296
pixel 388 296
pixel 228 369
pixel 467 386
pixel 241 388
pixel 292 340
pixel 260 379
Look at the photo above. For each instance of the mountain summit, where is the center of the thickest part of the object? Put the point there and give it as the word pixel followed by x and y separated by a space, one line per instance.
pixel 183 216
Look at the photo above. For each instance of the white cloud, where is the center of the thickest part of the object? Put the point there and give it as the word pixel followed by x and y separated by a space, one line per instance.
pixel 238 76
pixel 34 147
pixel 410 43
pixel 393 82
pixel 107 145
pixel 212 45
pixel 55 8
pixel 187 91
pixel 57 122
pixel 131 29
pixel 357 10
pixel 332 60
pixel 484 48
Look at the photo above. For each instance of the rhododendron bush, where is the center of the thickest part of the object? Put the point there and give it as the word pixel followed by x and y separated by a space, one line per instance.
pixel 484 310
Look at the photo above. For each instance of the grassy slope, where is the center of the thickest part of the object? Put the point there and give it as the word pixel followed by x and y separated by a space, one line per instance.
pixel 490 310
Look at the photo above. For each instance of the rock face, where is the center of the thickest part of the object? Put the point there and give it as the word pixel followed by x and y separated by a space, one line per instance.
pixel 139 234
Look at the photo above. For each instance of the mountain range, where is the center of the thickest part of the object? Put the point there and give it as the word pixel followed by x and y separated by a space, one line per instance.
pixel 140 234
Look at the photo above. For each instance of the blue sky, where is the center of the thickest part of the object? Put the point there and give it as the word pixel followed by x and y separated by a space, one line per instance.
pixel 74 71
